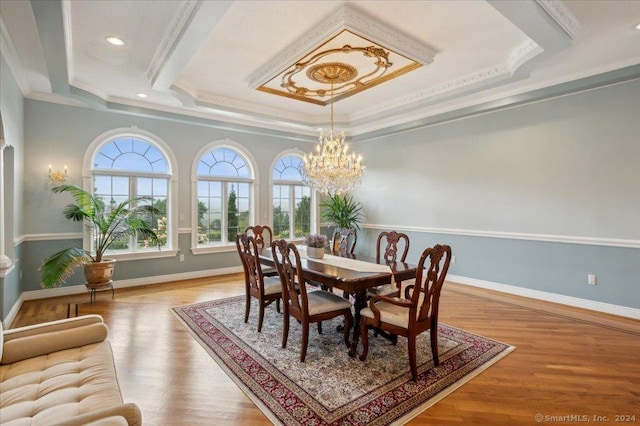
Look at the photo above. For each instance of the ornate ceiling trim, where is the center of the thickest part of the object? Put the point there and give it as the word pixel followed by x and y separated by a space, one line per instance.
pixel 174 30
pixel 560 13
pixel 344 18
pixel 520 55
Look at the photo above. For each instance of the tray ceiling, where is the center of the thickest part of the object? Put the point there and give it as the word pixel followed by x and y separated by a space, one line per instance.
pixel 223 61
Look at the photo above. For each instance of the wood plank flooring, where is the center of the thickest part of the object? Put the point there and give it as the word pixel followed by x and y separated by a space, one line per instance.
pixel 568 362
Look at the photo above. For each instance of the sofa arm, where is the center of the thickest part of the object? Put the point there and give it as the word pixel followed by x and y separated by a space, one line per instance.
pixel 41 339
pixel 107 416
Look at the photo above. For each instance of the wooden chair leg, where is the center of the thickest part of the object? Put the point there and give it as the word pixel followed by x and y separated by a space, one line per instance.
pixel 260 316
pixel 348 323
pixel 434 345
pixel 305 340
pixel 364 334
pixel 285 328
pixel 247 308
pixel 278 305
pixel 411 343
pixel 319 327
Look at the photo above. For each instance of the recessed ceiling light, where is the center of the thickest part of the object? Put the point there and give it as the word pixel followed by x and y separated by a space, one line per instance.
pixel 638 27
pixel 116 41
pixel 141 95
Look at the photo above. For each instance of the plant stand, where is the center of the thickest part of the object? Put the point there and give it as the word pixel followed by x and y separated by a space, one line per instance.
pixel 95 287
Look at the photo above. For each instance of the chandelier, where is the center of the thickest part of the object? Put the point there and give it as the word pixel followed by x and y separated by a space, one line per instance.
pixel 332 169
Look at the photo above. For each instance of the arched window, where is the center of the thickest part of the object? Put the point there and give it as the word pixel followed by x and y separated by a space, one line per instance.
pixel 224 188
pixel 127 165
pixel 292 201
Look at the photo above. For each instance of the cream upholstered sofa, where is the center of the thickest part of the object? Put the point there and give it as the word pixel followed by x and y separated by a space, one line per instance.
pixel 61 373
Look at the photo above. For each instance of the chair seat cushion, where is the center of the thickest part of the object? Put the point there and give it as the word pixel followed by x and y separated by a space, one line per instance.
pixel 389 313
pixel 382 290
pixel 272 285
pixel 321 301
pixel 269 272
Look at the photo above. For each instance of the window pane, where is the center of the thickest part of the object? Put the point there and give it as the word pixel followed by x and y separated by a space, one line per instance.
pixel 209 213
pixel 223 162
pixel 131 154
pixel 281 211
pixel 156 190
pixel 302 220
pixel 288 168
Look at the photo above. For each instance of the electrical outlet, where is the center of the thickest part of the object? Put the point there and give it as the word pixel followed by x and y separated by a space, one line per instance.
pixel 182 258
pixel 453 259
pixel 591 279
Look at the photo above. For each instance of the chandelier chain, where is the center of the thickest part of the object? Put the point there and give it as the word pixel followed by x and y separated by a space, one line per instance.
pixel 332 170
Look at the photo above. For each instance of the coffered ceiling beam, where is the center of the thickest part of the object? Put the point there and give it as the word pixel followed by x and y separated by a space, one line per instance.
pixel 50 22
pixel 190 28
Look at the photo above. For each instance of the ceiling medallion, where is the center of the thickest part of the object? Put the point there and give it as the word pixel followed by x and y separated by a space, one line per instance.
pixel 360 62
pixel 343 76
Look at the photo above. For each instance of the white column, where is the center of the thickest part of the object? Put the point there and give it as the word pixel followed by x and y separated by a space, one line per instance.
pixel 5 261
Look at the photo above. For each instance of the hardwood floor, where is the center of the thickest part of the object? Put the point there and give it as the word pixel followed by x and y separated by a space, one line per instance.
pixel 568 362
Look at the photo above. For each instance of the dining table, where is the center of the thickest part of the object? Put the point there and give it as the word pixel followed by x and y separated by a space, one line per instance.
pixel 353 274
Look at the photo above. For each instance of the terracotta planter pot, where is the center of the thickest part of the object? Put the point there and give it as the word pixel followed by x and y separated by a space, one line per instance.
pixel 315 252
pixel 99 274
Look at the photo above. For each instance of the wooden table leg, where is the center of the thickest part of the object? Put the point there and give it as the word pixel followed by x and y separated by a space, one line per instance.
pixel 360 303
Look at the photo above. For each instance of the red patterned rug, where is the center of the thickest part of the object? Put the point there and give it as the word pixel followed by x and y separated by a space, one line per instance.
pixel 330 388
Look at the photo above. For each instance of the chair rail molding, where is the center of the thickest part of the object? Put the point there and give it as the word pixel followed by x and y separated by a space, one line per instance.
pixel 571 239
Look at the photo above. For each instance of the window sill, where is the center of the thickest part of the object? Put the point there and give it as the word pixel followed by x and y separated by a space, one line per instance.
pixel 213 249
pixel 142 255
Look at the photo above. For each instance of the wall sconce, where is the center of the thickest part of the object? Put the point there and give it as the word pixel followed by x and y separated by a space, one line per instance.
pixel 57 177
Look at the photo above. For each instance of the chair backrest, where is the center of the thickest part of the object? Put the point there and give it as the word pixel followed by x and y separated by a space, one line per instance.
pixel 294 290
pixel 393 239
pixel 262 234
pixel 248 251
pixel 429 281
pixel 344 240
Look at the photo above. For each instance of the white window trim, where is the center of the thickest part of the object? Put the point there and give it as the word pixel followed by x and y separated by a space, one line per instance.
pixel 253 193
pixel 314 197
pixel 172 207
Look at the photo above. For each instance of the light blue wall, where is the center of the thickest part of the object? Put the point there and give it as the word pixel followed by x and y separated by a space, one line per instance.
pixel 60 134
pixel 567 167
pixel 11 107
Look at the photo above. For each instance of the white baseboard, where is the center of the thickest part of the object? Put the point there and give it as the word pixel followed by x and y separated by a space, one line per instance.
pixel 133 282
pixel 13 312
pixel 608 308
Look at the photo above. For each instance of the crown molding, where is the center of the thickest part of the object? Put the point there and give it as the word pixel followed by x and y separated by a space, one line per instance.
pixel 68 36
pixel 500 72
pixel 561 14
pixel 345 17
pixel 175 28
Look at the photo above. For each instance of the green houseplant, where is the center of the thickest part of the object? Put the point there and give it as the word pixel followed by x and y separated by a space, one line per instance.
pixel 107 225
pixel 342 211
pixel 345 215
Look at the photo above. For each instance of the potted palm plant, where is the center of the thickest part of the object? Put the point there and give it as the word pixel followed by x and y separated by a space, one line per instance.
pixel 107 225
pixel 343 213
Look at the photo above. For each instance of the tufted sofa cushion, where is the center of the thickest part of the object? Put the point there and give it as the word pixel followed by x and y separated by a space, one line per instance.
pixel 72 386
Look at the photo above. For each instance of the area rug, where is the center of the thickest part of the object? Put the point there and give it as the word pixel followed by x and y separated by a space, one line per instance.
pixel 330 388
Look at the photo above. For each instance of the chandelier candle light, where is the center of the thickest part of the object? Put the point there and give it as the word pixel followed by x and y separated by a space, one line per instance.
pixel 332 169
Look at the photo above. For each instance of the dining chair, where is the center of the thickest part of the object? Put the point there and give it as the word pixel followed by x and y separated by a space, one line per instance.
pixel 307 307
pixel 263 236
pixel 266 289
pixel 394 243
pixel 416 313
pixel 344 240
